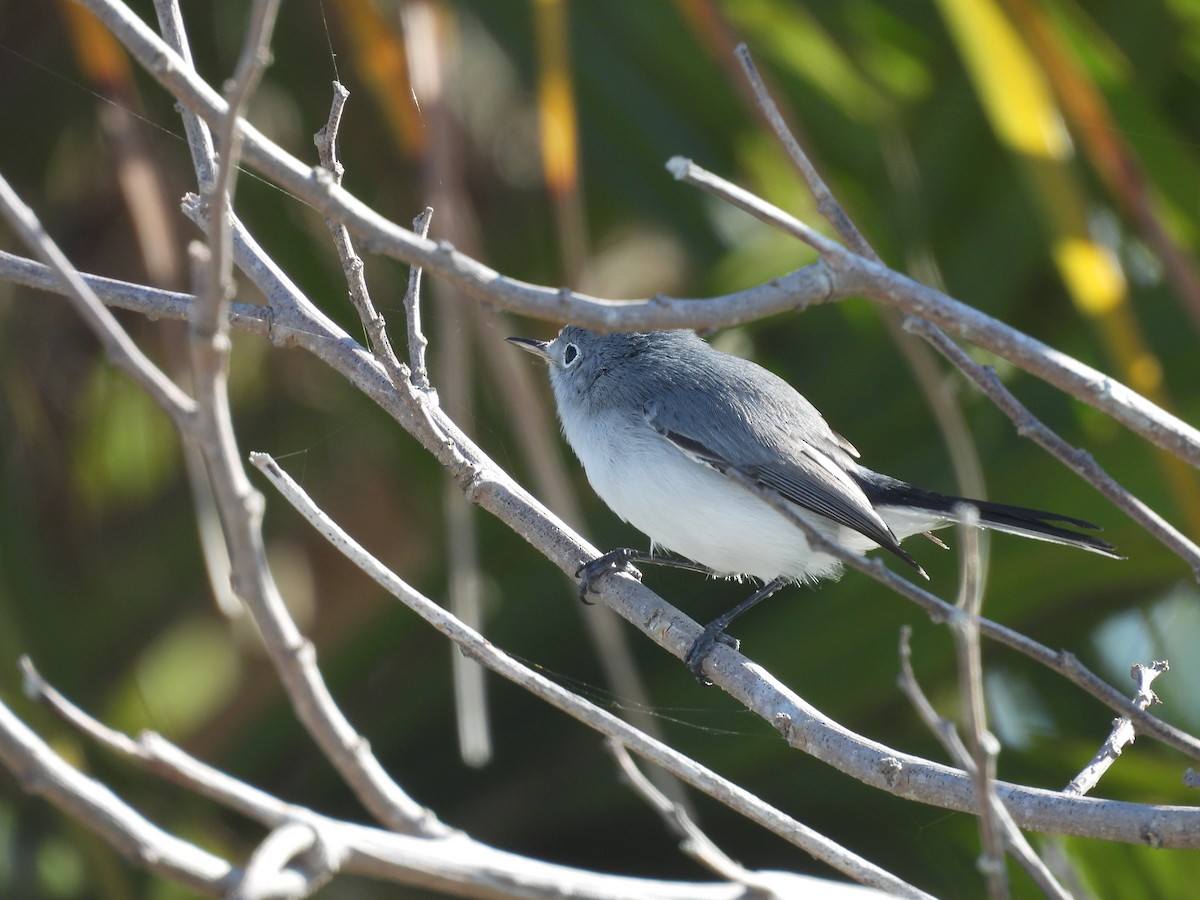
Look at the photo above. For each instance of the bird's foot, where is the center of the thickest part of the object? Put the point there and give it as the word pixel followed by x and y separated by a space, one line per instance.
pixel 613 561
pixel 713 633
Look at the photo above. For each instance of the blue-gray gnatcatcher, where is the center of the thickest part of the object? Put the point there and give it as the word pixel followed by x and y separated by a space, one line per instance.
pixel 660 420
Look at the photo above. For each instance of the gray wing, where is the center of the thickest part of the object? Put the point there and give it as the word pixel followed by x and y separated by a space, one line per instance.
pixel 781 443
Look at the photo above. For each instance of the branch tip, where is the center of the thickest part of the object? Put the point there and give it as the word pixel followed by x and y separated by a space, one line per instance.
pixel 678 166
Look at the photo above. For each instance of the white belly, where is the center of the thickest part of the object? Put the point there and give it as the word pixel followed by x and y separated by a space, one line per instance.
pixel 699 513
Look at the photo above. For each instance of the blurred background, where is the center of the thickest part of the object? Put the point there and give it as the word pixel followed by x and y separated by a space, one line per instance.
pixel 1038 160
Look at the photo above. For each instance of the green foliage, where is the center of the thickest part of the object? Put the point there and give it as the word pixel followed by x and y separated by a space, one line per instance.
pixel 125 449
pixel 102 582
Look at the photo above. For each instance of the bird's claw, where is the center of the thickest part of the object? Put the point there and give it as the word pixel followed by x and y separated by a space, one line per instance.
pixel 711 635
pixel 613 561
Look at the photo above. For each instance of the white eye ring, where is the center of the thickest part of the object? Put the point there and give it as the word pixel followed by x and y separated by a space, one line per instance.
pixel 570 355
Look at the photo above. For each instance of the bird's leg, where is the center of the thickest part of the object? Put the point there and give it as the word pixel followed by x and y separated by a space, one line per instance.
pixel 715 630
pixel 623 558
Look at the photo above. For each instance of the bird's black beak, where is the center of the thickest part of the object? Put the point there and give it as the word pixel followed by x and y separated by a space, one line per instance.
pixel 537 348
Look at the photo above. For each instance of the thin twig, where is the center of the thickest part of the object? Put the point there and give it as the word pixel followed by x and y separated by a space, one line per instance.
pixel 694 842
pixel 683 169
pixel 326 138
pixel 827 204
pixel 200 144
pixel 228 140
pixel 1122 732
pixel 943 730
pixel 208 524
pixel 352 264
pixel 444 187
pixel 982 745
pixel 157 754
pixel 154 303
pixel 412 306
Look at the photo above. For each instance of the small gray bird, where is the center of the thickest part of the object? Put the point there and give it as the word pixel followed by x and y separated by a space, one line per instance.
pixel 661 421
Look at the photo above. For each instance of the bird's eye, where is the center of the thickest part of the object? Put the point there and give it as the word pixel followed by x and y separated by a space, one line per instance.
pixel 570 354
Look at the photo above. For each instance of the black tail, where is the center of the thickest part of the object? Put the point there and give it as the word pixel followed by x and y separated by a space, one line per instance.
pixel 1031 523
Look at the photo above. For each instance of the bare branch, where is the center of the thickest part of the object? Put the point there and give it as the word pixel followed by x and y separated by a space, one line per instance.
pixel 697 844
pixel 352 264
pixel 158 755
pixel 412 305
pixel 219 193
pixel 43 772
pixel 1122 732
pixel 827 204
pixel 943 730
pixel 326 138
pixel 200 142
pixel 683 169
pixel 154 303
